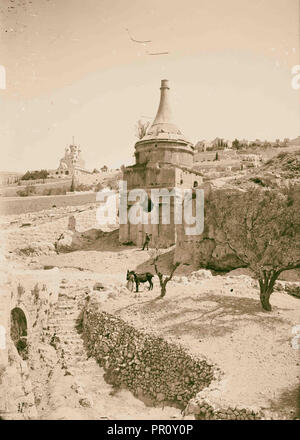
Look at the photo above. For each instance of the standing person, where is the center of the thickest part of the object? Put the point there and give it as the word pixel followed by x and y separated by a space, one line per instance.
pixel 56 243
pixel 146 242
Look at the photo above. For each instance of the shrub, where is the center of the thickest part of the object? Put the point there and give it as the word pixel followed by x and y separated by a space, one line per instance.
pixel 98 187
pixel 82 187
pixel 27 251
pixel 54 191
pixel 35 175
pixel 28 191
pixel 257 180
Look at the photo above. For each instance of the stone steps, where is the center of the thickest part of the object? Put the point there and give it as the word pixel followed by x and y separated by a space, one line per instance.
pixel 63 322
pixel 62 325
pixel 70 346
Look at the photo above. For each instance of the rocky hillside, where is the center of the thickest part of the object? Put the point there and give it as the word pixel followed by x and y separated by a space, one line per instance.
pixel 286 165
pixel 280 171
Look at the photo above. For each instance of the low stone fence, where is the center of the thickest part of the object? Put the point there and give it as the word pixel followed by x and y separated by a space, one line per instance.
pixel 202 410
pixel 213 403
pixel 39 185
pixel 154 370
pixel 20 205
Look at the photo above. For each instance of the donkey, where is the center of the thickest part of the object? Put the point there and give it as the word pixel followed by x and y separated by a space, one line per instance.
pixel 140 278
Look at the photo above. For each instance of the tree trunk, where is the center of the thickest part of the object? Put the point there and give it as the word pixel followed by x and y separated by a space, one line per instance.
pixel 163 290
pixel 264 299
pixel 266 285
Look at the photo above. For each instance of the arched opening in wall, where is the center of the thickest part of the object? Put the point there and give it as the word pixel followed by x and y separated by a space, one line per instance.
pixel 18 331
pixel 195 184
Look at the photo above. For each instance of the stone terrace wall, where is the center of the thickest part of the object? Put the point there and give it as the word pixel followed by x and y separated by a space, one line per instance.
pixel 20 205
pixel 152 369
pixel 40 187
pixel 202 410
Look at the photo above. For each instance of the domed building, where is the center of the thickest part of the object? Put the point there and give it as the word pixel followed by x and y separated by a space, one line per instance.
pixel 164 159
pixel 71 161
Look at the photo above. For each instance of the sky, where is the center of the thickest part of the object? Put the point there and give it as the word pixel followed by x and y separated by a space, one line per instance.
pixel 72 70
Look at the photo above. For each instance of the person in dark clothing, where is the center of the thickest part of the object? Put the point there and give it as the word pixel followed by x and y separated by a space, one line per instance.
pixel 56 243
pixel 146 242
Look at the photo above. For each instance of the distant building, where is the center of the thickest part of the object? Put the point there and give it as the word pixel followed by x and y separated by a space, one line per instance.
pixel 201 146
pixel 8 178
pixel 218 144
pixel 251 160
pixel 72 165
pixel 295 141
pixel 71 162
pixel 244 142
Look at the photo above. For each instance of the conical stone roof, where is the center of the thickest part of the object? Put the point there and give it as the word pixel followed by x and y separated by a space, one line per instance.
pixel 163 126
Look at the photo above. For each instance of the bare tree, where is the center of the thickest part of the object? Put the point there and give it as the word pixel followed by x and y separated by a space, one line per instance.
pixel 262 227
pixel 163 280
pixel 141 128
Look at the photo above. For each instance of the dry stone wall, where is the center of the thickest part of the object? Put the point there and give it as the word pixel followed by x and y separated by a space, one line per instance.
pixel 202 410
pixel 19 205
pixel 213 403
pixel 152 369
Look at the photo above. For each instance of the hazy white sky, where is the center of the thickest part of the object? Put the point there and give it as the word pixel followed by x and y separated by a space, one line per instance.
pixel 72 70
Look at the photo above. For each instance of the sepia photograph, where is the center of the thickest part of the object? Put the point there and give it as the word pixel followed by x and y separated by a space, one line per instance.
pixel 150 213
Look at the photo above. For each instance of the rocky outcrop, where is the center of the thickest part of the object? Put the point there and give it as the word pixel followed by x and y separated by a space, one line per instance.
pixel 36 248
pixel 290 288
pixel 73 240
pixel 17 400
pixel 209 250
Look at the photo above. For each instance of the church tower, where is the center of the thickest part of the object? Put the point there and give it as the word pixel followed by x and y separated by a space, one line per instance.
pixel 164 159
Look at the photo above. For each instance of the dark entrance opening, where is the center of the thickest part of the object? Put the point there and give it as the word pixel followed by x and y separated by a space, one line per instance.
pixel 18 331
pixel 147 205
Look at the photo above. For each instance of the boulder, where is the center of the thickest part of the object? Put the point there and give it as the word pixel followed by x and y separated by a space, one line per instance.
pixel 201 274
pixel 98 286
pixel 86 401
